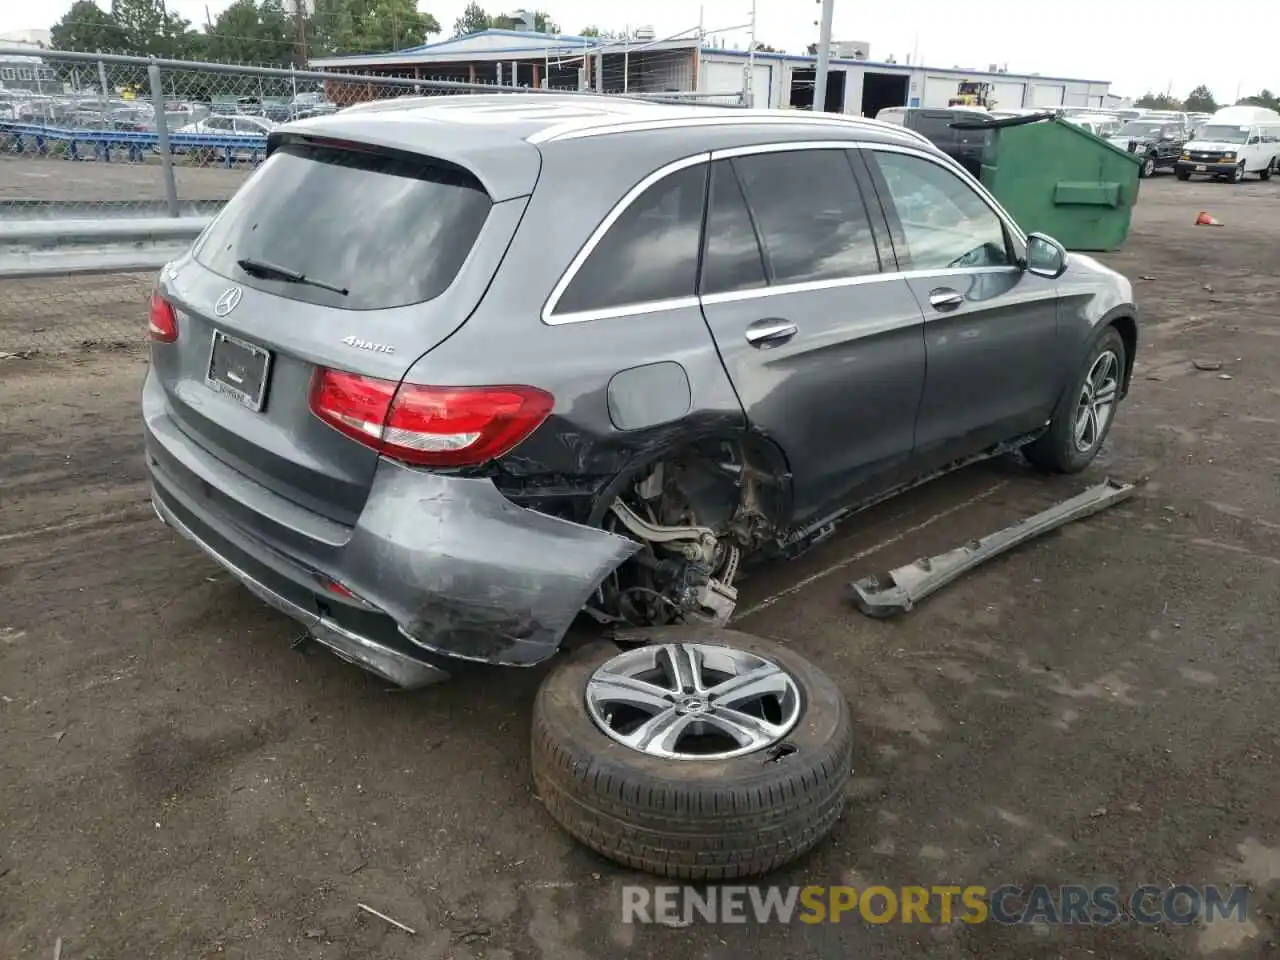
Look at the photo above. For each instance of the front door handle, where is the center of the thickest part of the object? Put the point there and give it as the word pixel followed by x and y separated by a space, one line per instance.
pixel 944 298
pixel 771 332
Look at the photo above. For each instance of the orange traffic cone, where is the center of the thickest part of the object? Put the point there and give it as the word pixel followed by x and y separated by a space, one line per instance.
pixel 1205 220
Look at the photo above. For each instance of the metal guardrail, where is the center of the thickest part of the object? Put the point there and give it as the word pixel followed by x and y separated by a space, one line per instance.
pixel 135 143
pixel 60 248
pixel 26 208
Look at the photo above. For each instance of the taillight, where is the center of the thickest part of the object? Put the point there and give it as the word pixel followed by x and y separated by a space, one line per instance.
pixel 431 426
pixel 162 323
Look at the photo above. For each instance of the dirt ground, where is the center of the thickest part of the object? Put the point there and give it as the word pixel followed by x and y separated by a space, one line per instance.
pixel 1098 707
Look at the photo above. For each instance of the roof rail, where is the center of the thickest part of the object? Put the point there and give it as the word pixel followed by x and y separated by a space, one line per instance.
pixel 583 127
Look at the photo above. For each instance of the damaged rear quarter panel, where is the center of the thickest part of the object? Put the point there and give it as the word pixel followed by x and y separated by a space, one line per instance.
pixel 467 573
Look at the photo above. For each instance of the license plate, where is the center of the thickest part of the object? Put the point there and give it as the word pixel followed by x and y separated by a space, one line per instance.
pixel 1199 168
pixel 238 369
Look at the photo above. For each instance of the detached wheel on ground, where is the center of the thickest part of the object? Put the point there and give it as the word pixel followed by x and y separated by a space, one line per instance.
pixel 1086 412
pixel 701 754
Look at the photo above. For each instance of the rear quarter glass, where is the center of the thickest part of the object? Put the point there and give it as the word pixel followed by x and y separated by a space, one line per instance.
pixel 389 229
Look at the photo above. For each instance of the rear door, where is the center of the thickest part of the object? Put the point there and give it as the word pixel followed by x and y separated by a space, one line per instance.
pixel 343 258
pixel 825 350
pixel 990 327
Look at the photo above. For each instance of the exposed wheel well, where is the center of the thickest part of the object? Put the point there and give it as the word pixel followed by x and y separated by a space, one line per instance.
pixel 697 508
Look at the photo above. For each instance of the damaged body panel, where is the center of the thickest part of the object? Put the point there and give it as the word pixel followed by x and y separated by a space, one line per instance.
pixel 457 569
pixel 899 590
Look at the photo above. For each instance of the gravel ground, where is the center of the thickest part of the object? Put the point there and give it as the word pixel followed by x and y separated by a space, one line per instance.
pixel 1099 706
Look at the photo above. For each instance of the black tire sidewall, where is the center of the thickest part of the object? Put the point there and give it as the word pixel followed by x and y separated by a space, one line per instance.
pixel 824 720
pixel 1056 450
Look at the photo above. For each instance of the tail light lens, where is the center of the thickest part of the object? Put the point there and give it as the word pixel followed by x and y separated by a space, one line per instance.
pixel 431 426
pixel 162 322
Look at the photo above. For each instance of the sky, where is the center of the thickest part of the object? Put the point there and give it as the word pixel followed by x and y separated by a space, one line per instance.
pixel 1137 46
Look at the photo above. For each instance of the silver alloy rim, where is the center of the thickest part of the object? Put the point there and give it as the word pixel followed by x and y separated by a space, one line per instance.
pixel 1148 167
pixel 1097 401
pixel 693 701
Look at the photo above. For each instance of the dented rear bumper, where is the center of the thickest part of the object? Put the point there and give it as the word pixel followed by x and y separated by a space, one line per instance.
pixel 436 568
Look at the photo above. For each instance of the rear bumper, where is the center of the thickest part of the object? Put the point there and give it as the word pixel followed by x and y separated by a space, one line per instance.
pixel 439 567
pixel 1193 167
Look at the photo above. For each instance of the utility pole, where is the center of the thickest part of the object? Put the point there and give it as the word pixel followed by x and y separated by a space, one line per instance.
pixel 824 56
pixel 301 10
pixel 748 78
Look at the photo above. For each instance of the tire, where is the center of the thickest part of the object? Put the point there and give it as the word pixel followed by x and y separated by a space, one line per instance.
pixel 1270 169
pixel 1148 166
pixel 1183 175
pixel 692 819
pixel 1057 450
pixel 1237 175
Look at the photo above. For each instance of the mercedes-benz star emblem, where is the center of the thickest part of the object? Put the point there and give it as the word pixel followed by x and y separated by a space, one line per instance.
pixel 229 300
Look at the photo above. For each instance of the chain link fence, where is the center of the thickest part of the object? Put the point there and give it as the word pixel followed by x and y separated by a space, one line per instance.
pixel 86 136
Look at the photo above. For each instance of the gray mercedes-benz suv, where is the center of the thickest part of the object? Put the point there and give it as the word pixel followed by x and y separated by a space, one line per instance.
pixel 447 372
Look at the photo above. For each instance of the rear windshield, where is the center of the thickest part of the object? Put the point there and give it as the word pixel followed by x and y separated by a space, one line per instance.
pixel 369 230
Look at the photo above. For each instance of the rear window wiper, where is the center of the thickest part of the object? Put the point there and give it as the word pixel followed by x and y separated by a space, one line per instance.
pixel 272 271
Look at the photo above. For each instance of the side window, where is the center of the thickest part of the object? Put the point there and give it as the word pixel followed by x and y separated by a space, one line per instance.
pixel 733 259
pixel 650 253
pixel 810 216
pixel 218 123
pixel 945 223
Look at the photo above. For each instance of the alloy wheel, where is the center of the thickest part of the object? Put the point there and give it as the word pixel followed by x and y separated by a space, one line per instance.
pixel 1097 401
pixel 693 701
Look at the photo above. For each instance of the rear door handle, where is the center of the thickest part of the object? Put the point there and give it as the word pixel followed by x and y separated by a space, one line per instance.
pixel 771 332
pixel 944 298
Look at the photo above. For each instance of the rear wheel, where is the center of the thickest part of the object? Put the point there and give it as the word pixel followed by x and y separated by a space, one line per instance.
pixel 1183 174
pixel 1084 416
pixel 702 754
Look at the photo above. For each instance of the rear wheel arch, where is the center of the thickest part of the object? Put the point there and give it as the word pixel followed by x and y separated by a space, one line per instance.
pixel 1127 326
pixel 758 450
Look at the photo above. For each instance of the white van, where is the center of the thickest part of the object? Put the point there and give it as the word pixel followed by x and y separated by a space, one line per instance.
pixel 1234 142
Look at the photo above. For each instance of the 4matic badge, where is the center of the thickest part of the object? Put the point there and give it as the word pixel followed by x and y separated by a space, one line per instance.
pixel 362 344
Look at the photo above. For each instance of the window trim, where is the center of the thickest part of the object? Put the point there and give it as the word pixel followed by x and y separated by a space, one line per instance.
pixel 551 318
pixel 896 230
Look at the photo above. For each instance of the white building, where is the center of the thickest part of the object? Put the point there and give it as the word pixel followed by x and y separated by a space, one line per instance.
pixel 642 65
pixel 866 87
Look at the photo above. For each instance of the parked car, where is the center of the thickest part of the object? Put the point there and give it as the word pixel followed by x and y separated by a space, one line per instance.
pixel 1234 142
pixel 250 130
pixel 438 434
pixel 1100 125
pixel 935 125
pixel 1158 142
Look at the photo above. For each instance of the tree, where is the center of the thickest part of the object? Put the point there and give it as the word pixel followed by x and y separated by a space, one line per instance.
pixel 149 29
pixel 1264 98
pixel 87 27
pixel 473 20
pixel 594 31
pixel 765 48
pixel 247 32
pixel 387 25
pixel 1200 100
pixel 1158 101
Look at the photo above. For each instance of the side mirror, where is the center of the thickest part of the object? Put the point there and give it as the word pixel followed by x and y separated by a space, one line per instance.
pixel 1046 257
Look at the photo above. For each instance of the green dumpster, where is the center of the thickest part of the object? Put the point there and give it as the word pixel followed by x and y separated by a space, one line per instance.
pixel 1057 178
